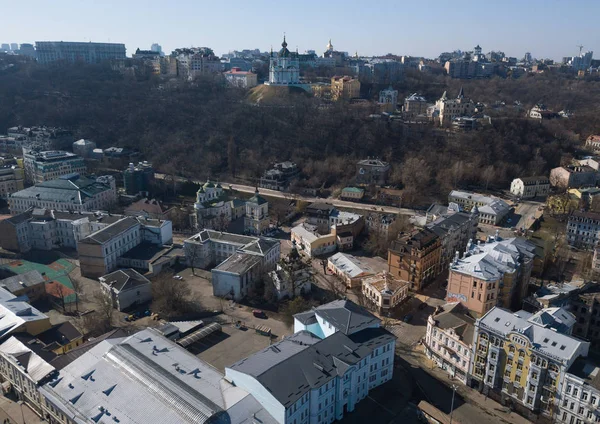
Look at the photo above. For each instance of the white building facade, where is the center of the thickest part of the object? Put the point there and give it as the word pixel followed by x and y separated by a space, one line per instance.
pixel 284 69
pixel 529 187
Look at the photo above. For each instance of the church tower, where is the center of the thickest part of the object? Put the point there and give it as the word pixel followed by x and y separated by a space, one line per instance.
pixel 285 68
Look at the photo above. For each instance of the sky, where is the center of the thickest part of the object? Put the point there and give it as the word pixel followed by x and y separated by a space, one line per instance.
pixel 546 28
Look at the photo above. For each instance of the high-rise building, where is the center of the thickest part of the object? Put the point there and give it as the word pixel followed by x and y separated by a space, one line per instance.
pixel 27 50
pixel 157 48
pixel 48 165
pixel 138 178
pixel 4 47
pixel 14 47
pixel 68 51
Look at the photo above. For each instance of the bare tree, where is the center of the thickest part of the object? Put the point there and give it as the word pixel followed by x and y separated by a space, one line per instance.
pixel 59 292
pixel 488 175
pixel 192 253
pixel 170 296
pixel 78 290
pixel 105 307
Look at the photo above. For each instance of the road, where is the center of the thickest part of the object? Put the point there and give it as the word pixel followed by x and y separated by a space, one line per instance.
pixel 282 195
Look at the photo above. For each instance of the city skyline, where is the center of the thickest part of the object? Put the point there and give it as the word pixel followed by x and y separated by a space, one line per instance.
pixel 423 29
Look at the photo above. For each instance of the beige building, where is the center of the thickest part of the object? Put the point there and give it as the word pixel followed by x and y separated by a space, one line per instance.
pixel 593 143
pixel 241 79
pixel 11 180
pixel 415 105
pixel 352 193
pixel 529 187
pixel 384 291
pixel 492 210
pixel 491 274
pixel 573 176
pixel 349 269
pixel 344 87
pixel 449 340
pixel 446 109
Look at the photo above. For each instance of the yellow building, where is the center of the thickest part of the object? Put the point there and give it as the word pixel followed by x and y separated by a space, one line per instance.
pixel 524 357
pixel 311 242
pixel 344 87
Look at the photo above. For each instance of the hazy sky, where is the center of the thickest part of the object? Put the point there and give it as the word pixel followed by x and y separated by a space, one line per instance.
pixel 546 28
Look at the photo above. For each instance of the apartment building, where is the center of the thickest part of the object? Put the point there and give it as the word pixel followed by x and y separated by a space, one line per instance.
pixel 372 171
pixel 491 210
pixel 24 366
pixel 573 176
pixel 524 357
pixel 311 242
pixel 336 356
pixel 48 52
pixel 67 193
pixel 384 292
pixel 138 178
pixel 100 252
pixel 580 396
pixel 415 257
pixel 344 88
pixel 530 187
pixel 11 180
pixel 495 272
pixel 585 305
pixel 48 165
pixel 415 105
pixel 240 261
pixel 449 340
pixel 454 230
pixel 446 109
pixel 46 229
pixel 583 229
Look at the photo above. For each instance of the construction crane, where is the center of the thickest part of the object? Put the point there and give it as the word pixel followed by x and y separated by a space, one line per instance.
pixel 580 49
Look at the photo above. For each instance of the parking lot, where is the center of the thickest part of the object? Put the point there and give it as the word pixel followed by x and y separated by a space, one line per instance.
pixel 221 349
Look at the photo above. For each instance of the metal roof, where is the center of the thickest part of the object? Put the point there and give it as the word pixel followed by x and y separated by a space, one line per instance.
pixel 19 281
pixel 27 360
pixel 350 265
pixel 107 233
pixel 346 316
pixel 124 279
pixel 147 378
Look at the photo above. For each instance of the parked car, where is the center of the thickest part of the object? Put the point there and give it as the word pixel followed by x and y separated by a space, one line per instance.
pixel 178 277
pixel 259 314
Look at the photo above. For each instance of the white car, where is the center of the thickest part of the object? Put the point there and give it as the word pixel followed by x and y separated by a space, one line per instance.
pixel 178 277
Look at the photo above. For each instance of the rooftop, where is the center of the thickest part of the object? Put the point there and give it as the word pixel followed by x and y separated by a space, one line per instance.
pixel 587 370
pixel 21 281
pixel 373 162
pixel 544 337
pixel 146 378
pixel 75 189
pixel 345 315
pixel 14 313
pixel 124 279
pixel 222 237
pixel 31 363
pixel 456 317
pixel 238 263
pixel 384 283
pixel 350 265
pixel 107 233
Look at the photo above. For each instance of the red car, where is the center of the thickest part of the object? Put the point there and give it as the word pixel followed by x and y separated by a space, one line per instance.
pixel 259 314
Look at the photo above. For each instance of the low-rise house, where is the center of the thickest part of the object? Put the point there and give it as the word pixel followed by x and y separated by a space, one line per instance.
pixel 492 273
pixel 279 176
pixel 61 338
pixel 593 142
pixel 148 208
pixel 25 368
pixel 530 187
pixel 311 242
pixel 389 197
pixel 107 382
pixel 17 316
pixel 384 292
pixel 372 171
pixel 127 288
pixel 583 229
pixel 380 224
pixel 573 176
pixel 415 257
pixel 352 193
pixel 491 209
pixel 415 105
pixel 67 193
pixel 349 268
pixel 241 79
pixel 241 261
pixel 30 284
pixel 449 340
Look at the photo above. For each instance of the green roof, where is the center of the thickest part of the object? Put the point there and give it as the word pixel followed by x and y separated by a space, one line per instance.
pixel 258 199
pixel 353 190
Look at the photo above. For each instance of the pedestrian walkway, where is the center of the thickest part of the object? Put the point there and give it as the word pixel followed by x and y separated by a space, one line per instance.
pixel 12 412
pixel 470 395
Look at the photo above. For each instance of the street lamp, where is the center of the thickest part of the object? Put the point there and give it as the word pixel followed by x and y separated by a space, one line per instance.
pixel 452 405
